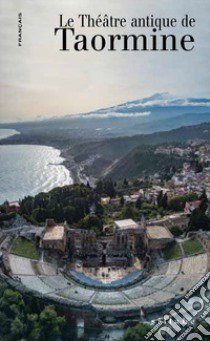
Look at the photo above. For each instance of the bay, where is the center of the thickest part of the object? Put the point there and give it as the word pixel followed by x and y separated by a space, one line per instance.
pixel 29 170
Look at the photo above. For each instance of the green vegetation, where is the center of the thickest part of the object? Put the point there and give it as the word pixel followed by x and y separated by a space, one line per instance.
pixel 129 212
pixel 192 246
pixel 8 216
pixel 25 248
pixel 106 187
pixel 92 222
pixel 176 231
pixel 136 333
pixel 172 252
pixel 198 218
pixel 139 332
pixel 70 203
pixel 178 202
pixel 27 321
pixel 80 206
pixel 133 211
pixel 144 159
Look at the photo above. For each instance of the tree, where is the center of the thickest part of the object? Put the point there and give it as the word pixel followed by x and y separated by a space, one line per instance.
pixel 50 324
pixel 198 167
pixel 198 220
pixel 129 212
pixel 160 198
pixel 100 187
pixel 4 323
pixel 122 201
pixel 91 221
pixel 39 214
pixel 99 210
pixel 136 183
pixel 27 205
pixel 96 230
pixel 17 328
pixel 165 201
pixel 53 203
pixel 88 185
pixel 33 327
pixel 21 321
pixel 203 205
pixel 203 196
pixel 69 214
pixel 138 203
pixel 12 303
pixel 125 183
pixel 177 203
pixel 204 201
pixel 176 230
pixel 191 196
pixel 58 212
pixel 109 188
pixel 137 333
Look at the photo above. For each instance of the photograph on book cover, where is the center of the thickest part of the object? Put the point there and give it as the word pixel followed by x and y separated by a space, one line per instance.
pixel 104 170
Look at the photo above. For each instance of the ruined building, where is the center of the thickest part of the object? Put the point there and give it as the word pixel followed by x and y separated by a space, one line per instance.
pixel 129 240
pixel 119 249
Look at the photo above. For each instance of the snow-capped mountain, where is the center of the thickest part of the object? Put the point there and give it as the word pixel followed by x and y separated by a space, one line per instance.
pixel 160 112
pixel 143 107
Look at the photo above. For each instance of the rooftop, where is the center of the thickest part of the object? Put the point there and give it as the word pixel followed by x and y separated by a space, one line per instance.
pixel 54 233
pixel 158 232
pixel 126 224
pixel 14 204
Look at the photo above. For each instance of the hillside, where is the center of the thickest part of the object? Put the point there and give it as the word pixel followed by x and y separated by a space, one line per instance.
pixel 115 148
pixel 142 159
pixel 126 156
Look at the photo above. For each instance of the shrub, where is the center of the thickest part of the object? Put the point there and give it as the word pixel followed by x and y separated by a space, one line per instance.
pixel 176 231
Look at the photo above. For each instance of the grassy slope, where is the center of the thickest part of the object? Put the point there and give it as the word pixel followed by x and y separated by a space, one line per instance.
pixel 192 247
pixel 25 248
pixel 172 252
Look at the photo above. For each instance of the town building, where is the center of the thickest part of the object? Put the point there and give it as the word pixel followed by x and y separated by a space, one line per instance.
pixel 54 236
pixel 12 207
pixel 158 237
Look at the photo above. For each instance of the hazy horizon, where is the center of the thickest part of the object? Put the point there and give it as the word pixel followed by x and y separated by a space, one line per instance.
pixel 102 113
pixel 39 81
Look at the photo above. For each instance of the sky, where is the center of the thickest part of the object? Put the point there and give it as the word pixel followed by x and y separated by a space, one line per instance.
pixel 38 81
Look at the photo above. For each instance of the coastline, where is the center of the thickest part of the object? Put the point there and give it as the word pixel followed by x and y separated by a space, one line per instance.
pixel 67 167
pixel 76 171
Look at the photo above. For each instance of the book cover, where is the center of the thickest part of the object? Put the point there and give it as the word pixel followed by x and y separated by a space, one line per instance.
pixel 104 170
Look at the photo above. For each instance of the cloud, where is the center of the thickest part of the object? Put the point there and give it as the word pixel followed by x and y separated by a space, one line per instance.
pixel 116 114
pixel 165 100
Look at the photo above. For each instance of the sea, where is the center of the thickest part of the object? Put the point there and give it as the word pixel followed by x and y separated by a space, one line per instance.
pixel 29 169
